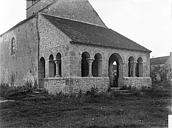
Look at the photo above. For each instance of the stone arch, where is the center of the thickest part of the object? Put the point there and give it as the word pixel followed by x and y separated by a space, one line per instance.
pixel 58 65
pixel 52 67
pixel 85 64
pixel 131 66
pixel 115 70
pixel 42 68
pixel 139 67
pixel 97 65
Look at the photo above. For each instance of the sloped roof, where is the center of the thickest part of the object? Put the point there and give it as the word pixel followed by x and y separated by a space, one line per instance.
pixel 88 34
pixel 159 60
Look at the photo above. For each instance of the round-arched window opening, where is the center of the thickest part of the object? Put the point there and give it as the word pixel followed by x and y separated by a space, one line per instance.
pixel 13 45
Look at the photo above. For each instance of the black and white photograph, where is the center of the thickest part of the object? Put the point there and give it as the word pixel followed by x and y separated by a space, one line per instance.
pixel 85 63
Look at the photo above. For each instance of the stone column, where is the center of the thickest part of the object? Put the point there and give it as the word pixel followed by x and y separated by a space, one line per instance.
pixel 57 67
pixel 47 68
pixel 145 69
pixel 90 62
pixel 51 68
pixel 126 69
pixel 99 67
pixel 134 68
pixel 141 69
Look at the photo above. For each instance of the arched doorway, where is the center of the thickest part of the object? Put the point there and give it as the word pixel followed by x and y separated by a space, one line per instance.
pixel 115 69
pixel 85 64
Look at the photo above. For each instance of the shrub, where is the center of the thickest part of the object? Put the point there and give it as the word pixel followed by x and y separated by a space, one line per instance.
pixel 158 92
pixel 3 89
pixel 93 92
pixel 13 92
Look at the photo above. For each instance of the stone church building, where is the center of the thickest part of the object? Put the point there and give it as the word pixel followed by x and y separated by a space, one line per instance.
pixel 63 45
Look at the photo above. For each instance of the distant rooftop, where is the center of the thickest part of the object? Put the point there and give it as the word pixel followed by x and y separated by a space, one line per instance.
pixel 159 60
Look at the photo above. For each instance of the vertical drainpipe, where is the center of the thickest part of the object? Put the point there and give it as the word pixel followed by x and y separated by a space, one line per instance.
pixel 37 28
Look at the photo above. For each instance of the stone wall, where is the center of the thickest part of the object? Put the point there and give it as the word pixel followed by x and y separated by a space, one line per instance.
pixel 75 84
pixel 21 66
pixel 52 42
pixel 76 52
pixel 137 82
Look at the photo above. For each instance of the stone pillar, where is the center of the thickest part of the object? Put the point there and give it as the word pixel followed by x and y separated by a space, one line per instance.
pixel 90 62
pixel 46 68
pixel 99 67
pixel 111 74
pixel 134 68
pixel 57 68
pixel 51 68
pixel 141 69
pixel 125 69
pixel 145 69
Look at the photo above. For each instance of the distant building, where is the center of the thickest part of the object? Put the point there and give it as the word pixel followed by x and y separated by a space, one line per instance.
pixel 161 68
pixel 64 45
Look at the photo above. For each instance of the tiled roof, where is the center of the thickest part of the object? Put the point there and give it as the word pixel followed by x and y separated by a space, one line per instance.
pixel 159 60
pixel 89 34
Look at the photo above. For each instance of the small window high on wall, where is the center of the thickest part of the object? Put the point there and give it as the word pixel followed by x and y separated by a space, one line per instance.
pixel 13 46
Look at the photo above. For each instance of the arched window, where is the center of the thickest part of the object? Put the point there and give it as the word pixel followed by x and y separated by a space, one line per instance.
pixel 58 65
pixel 131 67
pixel 13 43
pixel 42 68
pixel 97 65
pixel 139 67
pixel 85 64
pixel 52 67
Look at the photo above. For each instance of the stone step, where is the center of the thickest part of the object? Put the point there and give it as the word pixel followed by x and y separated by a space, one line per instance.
pixel 115 88
pixel 119 90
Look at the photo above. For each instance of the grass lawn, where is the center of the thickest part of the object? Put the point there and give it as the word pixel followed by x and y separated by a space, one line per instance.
pixel 86 112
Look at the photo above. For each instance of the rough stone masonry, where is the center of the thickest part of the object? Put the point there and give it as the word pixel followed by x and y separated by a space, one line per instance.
pixel 64 46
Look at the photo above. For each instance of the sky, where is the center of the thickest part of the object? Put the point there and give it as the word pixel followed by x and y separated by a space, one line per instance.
pixel 147 22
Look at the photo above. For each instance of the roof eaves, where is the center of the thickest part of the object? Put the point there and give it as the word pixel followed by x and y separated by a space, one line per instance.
pixel 147 50
pixel 91 44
